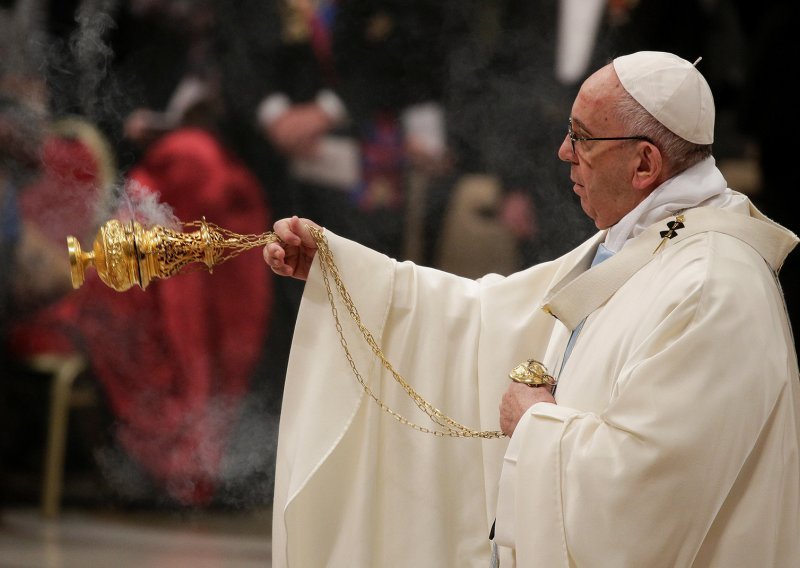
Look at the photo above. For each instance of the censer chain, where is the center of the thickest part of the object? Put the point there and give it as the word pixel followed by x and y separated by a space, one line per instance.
pixel 450 427
pixel 234 243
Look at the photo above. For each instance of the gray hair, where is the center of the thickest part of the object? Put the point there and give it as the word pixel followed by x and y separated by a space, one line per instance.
pixel 678 154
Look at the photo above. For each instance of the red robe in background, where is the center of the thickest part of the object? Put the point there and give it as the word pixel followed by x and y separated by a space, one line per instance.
pixel 175 360
pixel 72 185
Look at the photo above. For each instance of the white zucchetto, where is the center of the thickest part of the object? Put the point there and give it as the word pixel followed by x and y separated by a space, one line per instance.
pixel 672 90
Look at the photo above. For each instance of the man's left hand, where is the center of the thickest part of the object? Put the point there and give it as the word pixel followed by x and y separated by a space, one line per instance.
pixel 517 400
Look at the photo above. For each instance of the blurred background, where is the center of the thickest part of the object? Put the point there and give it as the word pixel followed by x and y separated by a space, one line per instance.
pixel 426 129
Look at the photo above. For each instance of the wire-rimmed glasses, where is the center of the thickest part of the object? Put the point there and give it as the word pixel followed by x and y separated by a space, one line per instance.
pixel 575 138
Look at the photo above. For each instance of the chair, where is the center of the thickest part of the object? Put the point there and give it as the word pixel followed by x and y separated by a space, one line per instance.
pixel 76 185
pixel 474 241
pixel 63 369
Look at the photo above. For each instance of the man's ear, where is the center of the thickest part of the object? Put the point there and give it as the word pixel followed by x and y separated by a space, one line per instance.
pixel 649 170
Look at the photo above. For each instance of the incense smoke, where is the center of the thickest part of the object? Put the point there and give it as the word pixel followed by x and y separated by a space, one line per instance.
pixel 141 204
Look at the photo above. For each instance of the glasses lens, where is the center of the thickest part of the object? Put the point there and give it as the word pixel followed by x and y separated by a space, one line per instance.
pixel 571 135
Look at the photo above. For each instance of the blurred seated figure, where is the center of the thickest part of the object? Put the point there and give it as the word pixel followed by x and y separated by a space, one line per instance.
pixel 33 271
pixel 78 175
pixel 44 165
pixel 58 182
pixel 58 173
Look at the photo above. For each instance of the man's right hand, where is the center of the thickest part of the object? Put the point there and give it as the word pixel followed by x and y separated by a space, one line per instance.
pixel 294 255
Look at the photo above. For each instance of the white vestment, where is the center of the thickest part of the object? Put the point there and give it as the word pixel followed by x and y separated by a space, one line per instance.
pixel 674 440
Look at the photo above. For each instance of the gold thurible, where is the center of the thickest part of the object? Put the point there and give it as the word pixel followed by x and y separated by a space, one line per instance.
pixel 127 253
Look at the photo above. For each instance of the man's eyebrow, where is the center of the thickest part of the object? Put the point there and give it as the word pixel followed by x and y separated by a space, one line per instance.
pixel 578 124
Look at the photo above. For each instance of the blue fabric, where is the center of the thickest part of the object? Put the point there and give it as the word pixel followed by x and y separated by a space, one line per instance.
pixel 10 221
pixel 602 254
pixel 10 232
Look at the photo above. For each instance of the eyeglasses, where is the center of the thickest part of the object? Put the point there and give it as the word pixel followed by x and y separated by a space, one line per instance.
pixel 575 138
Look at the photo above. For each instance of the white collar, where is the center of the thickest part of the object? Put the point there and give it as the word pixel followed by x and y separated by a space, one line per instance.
pixel 702 184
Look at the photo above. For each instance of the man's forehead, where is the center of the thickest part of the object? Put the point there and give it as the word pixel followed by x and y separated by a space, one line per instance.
pixel 594 104
pixel 601 83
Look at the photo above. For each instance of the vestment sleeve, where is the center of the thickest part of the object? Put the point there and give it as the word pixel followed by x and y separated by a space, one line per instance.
pixel 354 485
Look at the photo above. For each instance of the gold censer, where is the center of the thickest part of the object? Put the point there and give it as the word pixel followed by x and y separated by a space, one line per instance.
pixel 127 253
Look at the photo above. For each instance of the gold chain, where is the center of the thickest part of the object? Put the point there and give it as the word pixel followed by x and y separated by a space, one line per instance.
pixel 230 244
pixel 449 427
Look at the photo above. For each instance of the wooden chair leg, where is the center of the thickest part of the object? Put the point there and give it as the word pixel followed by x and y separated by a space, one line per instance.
pixel 64 369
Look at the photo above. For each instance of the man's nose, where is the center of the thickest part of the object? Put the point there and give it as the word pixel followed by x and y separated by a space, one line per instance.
pixel 565 152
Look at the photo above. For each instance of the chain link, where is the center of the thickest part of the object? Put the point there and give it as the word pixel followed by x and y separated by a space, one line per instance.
pixel 448 426
pixel 228 244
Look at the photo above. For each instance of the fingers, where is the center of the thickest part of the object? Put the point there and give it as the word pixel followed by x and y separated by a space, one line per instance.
pixel 274 256
pixel 286 232
pixel 294 231
pixel 300 227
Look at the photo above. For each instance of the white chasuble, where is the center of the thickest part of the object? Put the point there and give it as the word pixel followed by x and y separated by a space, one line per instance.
pixel 645 460
pixel 674 441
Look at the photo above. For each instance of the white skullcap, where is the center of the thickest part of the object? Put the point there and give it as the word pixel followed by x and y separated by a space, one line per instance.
pixel 672 90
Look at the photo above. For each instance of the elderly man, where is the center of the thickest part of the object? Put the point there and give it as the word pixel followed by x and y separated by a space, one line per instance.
pixel 654 411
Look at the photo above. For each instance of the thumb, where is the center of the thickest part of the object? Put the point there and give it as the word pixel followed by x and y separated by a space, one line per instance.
pixel 301 227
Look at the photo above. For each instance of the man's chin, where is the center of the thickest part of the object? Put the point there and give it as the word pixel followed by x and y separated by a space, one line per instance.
pixel 588 212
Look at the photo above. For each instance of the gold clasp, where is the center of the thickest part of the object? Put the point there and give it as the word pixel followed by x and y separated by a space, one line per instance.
pixel 532 373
